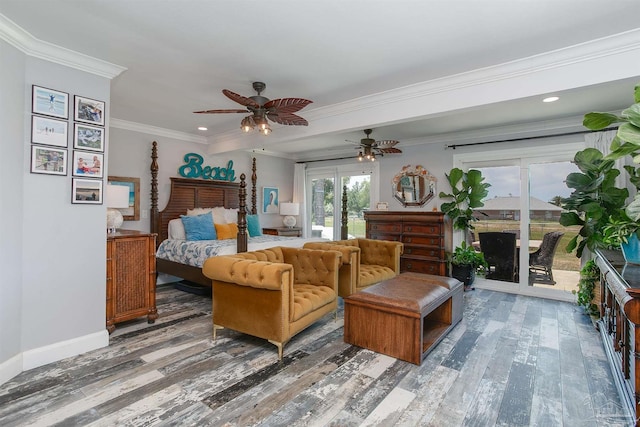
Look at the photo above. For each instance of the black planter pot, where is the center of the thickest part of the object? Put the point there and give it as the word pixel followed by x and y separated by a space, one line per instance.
pixel 465 273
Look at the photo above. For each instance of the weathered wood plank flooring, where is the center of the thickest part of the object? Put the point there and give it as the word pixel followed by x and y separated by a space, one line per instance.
pixel 512 361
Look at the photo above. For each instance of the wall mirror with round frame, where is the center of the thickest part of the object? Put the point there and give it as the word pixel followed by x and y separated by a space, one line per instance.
pixel 413 186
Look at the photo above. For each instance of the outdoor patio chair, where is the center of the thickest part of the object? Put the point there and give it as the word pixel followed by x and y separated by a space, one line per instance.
pixel 499 251
pixel 514 231
pixel 541 261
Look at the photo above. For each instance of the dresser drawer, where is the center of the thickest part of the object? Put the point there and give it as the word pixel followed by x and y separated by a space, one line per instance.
pixel 428 229
pixel 384 227
pixel 422 266
pixel 422 251
pixel 383 236
pixel 435 241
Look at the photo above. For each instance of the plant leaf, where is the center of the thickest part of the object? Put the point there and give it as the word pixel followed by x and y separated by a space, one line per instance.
pixel 632 114
pixel 598 121
pixel 629 133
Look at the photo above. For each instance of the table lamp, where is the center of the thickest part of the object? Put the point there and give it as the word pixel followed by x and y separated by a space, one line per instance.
pixel 117 197
pixel 289 210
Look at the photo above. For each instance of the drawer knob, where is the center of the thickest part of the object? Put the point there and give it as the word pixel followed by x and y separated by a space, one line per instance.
pixel 408 239
pixel 409 229
pixel 409 250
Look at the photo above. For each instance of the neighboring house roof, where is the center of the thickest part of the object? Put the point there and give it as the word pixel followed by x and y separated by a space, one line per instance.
pixel 513 204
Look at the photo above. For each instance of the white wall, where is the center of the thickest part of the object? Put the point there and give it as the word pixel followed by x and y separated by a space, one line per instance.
pixel 53 264
pixel 12 118
pixel 130 156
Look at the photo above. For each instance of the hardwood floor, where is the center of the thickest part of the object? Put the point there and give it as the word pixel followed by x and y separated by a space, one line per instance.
pixel 512 361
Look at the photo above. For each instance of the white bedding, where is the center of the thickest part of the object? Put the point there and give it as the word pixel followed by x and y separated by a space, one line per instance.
pixel 194 253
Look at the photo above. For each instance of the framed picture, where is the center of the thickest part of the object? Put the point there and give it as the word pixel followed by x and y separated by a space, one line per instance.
pixel 270 200
pixel 51 161
pixel 49 131
pixel 88 110
pixel 88 137
pixel 50 102
pixel 87 164
pixel 86 191
pixel 132 213
pixel 382 206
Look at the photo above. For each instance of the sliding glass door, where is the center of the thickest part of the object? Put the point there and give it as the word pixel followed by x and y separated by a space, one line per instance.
pixel 526 189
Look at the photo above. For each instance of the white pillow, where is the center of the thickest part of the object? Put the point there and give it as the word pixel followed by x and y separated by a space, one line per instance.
pixel 198 211
pixel 176 230
pixel 231 215
pixel 219 216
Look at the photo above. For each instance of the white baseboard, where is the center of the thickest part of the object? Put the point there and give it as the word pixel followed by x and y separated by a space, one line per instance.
pixel 10 368
pixel 61 350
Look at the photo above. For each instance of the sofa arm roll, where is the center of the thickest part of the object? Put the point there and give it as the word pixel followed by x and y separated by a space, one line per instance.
pixel 257 274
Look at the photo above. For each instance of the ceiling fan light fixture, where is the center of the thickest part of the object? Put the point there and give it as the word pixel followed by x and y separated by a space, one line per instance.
pixel 360 156
pixel 247 124
pixel 266 130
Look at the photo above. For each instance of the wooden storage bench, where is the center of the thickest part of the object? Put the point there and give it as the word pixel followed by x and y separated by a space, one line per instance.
pixel 404 317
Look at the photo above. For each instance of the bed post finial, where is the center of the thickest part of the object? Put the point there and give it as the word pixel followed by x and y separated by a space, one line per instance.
pixel 154 189
pixel 254 180
pixel 344 229
pixel 242 215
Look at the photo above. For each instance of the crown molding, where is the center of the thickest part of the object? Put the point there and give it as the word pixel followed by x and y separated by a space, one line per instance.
pixel 157 131
pixel 25 42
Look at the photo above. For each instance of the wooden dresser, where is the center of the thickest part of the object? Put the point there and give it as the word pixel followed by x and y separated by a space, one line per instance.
pixel 426 237
pixel 131 277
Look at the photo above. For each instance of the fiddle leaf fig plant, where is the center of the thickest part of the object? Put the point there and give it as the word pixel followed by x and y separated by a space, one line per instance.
pixel 627 139
pixel 467 192
pixel 594 202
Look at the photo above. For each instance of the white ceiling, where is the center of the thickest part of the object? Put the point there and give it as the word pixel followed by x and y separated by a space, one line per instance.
pixel 415 71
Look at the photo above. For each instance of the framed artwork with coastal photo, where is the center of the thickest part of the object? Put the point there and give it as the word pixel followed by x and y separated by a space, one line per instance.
pixel 88 110
pixel 50 102
pixel 270 201
pixel 48 160
pixel 87 137
pixel 86 191
pixel 87 164
pixel 132 213
pixel 48 131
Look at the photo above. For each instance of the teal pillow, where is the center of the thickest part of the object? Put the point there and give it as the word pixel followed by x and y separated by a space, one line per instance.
pixel 253 226
pixel 199 227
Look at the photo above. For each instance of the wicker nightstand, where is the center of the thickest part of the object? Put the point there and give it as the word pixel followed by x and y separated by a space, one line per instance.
pixel 131 277
pixel 283 231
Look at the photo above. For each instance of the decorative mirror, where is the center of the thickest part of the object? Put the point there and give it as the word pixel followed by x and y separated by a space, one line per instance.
pixel 413 186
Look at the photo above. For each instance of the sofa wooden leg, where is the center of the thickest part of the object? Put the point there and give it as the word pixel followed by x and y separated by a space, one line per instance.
pixel 280 346
pixel 215 328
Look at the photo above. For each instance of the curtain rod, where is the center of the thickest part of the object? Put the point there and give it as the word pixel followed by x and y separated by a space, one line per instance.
pixel 580 132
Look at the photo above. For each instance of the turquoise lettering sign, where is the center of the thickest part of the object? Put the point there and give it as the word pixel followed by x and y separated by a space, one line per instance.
pixel 193 169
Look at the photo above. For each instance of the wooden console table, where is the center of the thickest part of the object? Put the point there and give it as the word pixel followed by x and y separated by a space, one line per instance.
pixel 283 231
pixel 619 324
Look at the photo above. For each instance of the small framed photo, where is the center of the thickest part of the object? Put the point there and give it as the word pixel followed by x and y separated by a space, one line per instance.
pixel 88 110
pixel 88 137
pixel 86 191
pixel 270 200
pixel 87 164
pixel 132 213
pixel 49 131
pixel 47 160
pixel 382 206
pixel 50 102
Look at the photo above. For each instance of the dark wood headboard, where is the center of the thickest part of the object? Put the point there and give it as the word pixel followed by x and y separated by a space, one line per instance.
pixel 189 193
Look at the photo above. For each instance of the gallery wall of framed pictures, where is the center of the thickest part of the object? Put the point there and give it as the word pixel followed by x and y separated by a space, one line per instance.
pixel 50 141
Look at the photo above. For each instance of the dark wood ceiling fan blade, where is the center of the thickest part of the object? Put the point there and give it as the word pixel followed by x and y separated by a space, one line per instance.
pixel 242 100
pixel 386 143
pixel 287 105
pixel 220 111
pixel 389 150
pixel 287 119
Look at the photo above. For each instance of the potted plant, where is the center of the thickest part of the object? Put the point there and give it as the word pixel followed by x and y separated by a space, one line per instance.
pixel 466 262
pixel 624 231
pixel 587 288
pixel 467 192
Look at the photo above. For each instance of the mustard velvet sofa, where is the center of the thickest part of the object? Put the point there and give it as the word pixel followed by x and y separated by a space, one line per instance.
pixel 365 262
pixel 273 293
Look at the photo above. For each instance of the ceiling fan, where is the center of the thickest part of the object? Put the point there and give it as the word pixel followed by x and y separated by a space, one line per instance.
pixel 369 147
pixel 261 108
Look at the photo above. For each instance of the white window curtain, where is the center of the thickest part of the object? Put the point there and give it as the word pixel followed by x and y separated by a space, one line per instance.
pixel 300 195
pixel 602 142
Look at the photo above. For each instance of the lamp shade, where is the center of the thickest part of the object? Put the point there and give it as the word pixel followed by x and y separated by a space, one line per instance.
pixel 289 208
pixel 117 196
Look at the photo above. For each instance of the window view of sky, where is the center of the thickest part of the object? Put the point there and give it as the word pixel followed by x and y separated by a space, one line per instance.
pixel 547 180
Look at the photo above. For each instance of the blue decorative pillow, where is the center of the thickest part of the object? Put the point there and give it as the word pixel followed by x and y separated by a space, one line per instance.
pixel 253 226
pixel 199 227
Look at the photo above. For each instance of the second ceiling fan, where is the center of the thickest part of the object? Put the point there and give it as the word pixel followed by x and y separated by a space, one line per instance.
pixel 370 148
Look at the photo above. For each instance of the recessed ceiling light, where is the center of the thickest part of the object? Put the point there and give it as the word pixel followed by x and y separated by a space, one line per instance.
pixel 202 128
pixel 551 99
